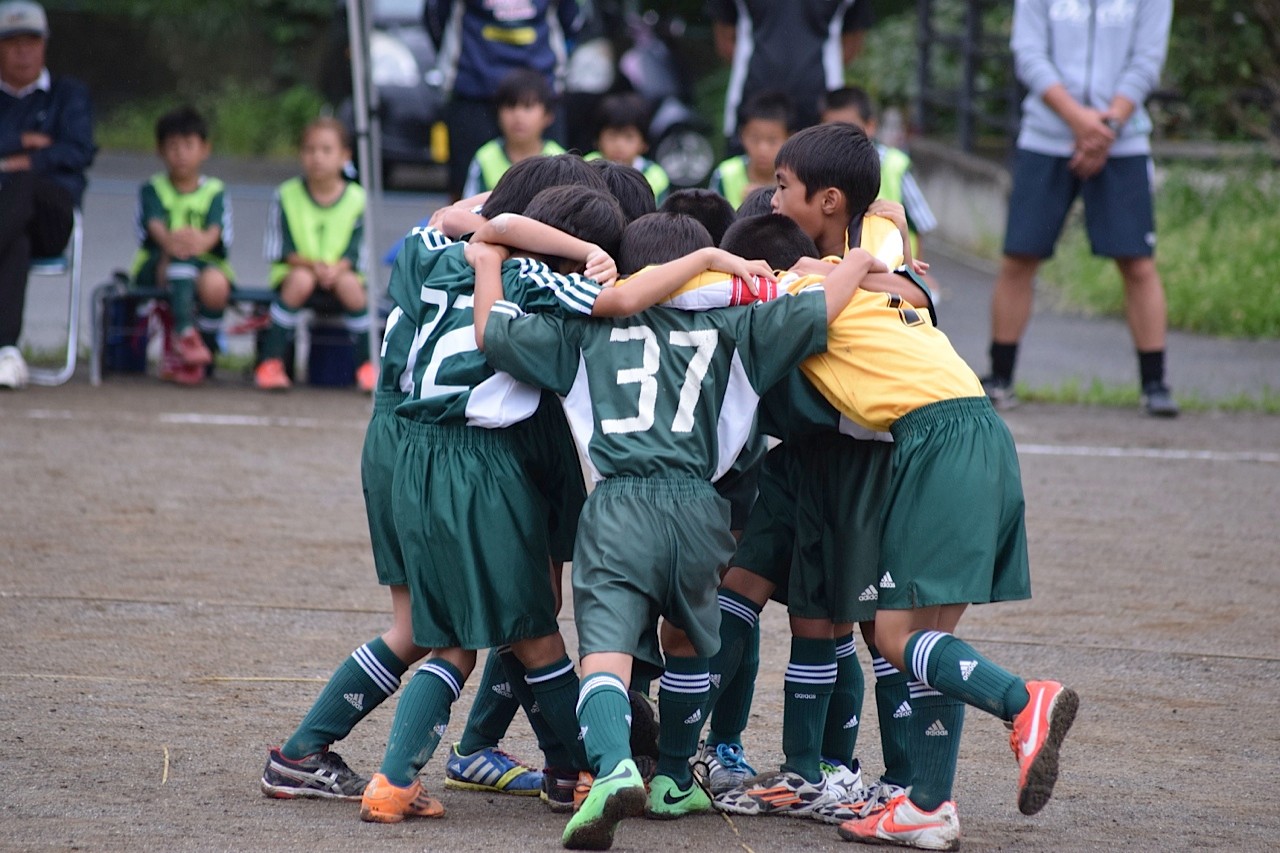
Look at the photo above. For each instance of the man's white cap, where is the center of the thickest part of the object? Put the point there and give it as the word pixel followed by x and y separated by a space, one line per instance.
pixel 22 17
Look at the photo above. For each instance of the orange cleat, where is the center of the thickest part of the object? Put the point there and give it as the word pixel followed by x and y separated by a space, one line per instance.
pixel 270 375
pixel 582 789
pixel 1037 735
pixel 191 349
pixel 902 823
pixel 366 377
pixel 384 802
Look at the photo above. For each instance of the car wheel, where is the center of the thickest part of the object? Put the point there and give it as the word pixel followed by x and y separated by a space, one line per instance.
pixel 686 156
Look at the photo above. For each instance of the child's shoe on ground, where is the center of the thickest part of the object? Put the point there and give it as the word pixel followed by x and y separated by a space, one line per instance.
pixel 904 824
pixel 270 375
pixel 613 798
pixel 384 802
pixel 668 801
pixel 191 348
pixel 492 770
pixel 323 774
pixel 722 767
pixel 558 784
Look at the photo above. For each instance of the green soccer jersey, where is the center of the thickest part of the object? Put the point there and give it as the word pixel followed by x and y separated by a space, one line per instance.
pixel 444 374
pixel 666 393
pixel 414 262
pixel 793 408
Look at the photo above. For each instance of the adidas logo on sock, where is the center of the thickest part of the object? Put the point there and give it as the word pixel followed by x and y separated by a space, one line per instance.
pixel 936 729
pixel 503 690
pixel 870 594
pixel 804 695
pixel 535 708
pixel 355 699
pixel 904 710
pixel 582 733
pixel 440 729
pixel 966 669
pixel 852 723
pixel 694 717
pixel 886 582
pixel 715 680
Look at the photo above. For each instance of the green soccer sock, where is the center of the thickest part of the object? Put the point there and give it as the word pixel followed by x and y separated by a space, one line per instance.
pixel 682 701
pixel 493 710
pixel 364 680
pixel 556 688
pixel 954 668
pixel 357 323
pixel 844 713
pixel 275 340
pixel 734 668
pixel 422 716
pixel 603 711
pixel 934 729
pixel 182 300
pixel 893 712
pixel 809 680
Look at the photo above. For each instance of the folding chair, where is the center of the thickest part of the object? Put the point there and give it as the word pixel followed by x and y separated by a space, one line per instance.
pixel 69 263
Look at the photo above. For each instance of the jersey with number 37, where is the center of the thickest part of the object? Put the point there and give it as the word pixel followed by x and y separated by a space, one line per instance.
pixel 429 346
pixel 665 393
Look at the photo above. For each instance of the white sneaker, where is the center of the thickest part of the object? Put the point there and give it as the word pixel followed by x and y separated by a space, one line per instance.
pixel 13 369
pixel 902 823
pixel 721 767
pixel 843 782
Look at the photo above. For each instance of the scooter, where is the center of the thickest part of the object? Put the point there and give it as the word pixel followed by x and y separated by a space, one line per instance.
pixel 678 135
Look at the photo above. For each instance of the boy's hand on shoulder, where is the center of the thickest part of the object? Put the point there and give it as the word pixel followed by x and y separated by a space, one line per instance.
pixel 600 267
pixel 479 253
pixel 718 260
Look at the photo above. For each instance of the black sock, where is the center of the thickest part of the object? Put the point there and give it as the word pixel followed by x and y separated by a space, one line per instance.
pixel 1003 357
pixel 1151 367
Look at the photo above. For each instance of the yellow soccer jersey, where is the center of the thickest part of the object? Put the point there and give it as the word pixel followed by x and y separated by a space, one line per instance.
pixel 884 359
pixel 714 290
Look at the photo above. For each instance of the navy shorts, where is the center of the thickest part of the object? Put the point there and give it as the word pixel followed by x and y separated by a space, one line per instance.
pixel 1118 210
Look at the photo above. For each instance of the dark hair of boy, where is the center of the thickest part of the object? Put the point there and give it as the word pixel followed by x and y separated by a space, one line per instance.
pixel 835 155
pixel 758 201
pixel 768 105
pixel 846 97
pixel 524 180
pixel 707 206
pixel 771 237
pixel 524 87
pixel 657 238
pixel 621 111
pixel 184 121
pixel 629 186
pixel 584 212
pixel 327 123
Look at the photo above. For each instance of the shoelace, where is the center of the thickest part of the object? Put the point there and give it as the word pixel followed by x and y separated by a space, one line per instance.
pixel 509 757
pixel 732 757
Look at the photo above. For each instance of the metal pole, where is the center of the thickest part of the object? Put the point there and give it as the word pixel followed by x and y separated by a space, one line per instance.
pixel 368 159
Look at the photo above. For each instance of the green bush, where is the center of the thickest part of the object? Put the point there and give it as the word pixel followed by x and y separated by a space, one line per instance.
pixel 1216 255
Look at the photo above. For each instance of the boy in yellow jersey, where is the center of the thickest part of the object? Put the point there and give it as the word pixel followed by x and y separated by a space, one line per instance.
pixel 953 530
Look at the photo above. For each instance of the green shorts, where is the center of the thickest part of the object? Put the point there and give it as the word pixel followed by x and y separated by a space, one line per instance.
pixel 377 465
pixel 649 547
pixel 953 530
pixel 839 498
pixel 473 530
pixel 556 471
pixel 768 539
pixel 740 484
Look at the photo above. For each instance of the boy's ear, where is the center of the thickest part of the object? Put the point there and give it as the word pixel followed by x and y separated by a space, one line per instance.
pixel 833 202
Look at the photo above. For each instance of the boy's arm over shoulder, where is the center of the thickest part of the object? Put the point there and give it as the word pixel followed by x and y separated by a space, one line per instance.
pixel 653 284
pixel 537 349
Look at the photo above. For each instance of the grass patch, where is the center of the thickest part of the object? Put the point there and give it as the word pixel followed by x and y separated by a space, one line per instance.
pixel 243 122
pixel 1216 255
pixel 1073 392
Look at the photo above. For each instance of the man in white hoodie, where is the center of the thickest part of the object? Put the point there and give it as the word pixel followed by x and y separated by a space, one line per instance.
pixel 1088 65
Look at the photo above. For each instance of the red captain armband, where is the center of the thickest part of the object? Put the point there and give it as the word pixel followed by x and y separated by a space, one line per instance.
pixel 741 294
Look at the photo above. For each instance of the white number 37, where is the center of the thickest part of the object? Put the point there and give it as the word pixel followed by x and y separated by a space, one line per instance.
pixel 702 342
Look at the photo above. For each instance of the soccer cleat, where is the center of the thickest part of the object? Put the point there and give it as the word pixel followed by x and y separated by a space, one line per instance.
pixel 1000 392
pixel 366 377
pixel 384 802
pixel 1157 399
pixel 783 793
pixel 843 782
pixel 1038 730
pixel 191 348
pixel 490 769
pixel 613 798
pixel 870 800
pixel 644 730
pixel 900 822
pixel 323 774
pixel 173 370
pixel 668 801
pixel 13 369
pixel 582 787
pixel 722 767
pixel 270 375
pixel 558 784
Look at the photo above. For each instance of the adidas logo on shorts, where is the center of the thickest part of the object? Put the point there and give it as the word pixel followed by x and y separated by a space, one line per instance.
pixel 904 710
pixel 886 582
pixel 356 700
pixel 966 669
pixel 936 729
pixel 870 594
pixel 694 717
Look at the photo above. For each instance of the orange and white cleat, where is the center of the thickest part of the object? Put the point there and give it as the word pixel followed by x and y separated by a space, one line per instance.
pixel 903 823
pixel 1037 735
pixel 582 789
pixel 270 375
pixel 366 377
pixel 384 802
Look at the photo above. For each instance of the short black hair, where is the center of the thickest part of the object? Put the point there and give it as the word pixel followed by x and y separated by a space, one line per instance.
pixel 629 186
pixel 524 180
pixel 522 87
pixel 584 212
pixel 768 105
pixel 708 207
pixel 758 201
pixel 623 110
pixel 838 155
pixel 849 96
pixel 770 237
pixel 657 238
pixel 183 121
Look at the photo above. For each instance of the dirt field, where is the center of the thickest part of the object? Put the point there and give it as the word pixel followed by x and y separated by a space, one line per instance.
pixel 180 571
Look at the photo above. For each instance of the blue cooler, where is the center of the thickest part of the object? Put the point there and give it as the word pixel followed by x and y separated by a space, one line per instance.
pixel 331 359
pixel 125 334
